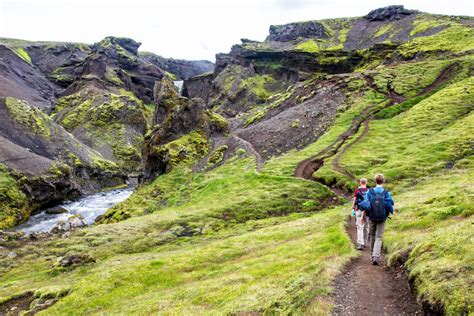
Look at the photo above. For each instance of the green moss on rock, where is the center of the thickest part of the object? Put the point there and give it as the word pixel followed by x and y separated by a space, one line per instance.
pixel 186 150
pixel 111 76
pixel 257 116
pixel 218 121
pixel 14 205
pixel 30 117
pixel 257 85
pixel 455 39
pixel 112 123
pixel 309 46
pixel 22 54
pixel 217 155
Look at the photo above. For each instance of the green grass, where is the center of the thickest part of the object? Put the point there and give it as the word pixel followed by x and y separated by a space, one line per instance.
pixel 421 140
pixel 264 249
pixel 434 225
pixel 434 230
pixel 408 79
pixel 456 39
pixel 272 269
pixel 232 240
pixel 204 195
pixel 309 46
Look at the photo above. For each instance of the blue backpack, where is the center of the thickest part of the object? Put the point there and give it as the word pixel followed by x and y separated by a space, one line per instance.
pixel 377 211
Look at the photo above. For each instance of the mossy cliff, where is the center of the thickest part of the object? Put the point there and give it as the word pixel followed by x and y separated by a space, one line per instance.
pixel 15 205
pixel 43 164
pixel 181 133
pixel 74 116
pixel 112 123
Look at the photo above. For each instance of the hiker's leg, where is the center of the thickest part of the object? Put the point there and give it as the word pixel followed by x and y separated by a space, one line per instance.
pixel 366 232
pixel 380 227
pixel 360 229
pixel 372 228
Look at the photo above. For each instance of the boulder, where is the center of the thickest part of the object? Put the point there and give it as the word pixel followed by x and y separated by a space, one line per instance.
pixel 77 221
pixel 56 210
pixel 74 260
pixel 72 222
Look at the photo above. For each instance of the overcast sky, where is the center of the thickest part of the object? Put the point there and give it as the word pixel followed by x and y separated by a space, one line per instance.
pixel 183 29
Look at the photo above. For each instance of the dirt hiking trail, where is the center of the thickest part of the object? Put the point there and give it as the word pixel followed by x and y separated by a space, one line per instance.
pixel 362 288
pixel 365 289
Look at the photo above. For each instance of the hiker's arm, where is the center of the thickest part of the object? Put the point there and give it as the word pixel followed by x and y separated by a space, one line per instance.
pixel 389 199
pixel 389 203
pixel 355 199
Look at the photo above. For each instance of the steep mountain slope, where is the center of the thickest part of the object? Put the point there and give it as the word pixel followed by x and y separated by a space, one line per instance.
pixel 42 164
pixel 229 221
pixel 98 99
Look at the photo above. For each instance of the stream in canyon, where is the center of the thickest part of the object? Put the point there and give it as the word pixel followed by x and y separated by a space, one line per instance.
pixel 88 207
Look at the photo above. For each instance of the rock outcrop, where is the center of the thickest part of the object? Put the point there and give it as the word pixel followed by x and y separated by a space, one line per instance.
pixel 390 13
pixel 183 128
pixel 293 31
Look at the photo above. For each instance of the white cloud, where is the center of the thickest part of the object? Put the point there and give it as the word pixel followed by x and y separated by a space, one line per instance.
pixel 182 28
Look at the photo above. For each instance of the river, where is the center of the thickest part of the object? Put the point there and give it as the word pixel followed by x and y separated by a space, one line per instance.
pixel 89 207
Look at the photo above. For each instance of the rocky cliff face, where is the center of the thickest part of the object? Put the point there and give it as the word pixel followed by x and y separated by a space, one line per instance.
pixel 183 131
pixel 19 79
pixel 44 163
pixel 74 118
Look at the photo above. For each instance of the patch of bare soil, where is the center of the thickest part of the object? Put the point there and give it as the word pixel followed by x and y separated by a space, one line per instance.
pixel 17 304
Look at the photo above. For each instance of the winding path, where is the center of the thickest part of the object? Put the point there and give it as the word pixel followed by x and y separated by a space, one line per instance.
pixel 364 289
pixel 249 147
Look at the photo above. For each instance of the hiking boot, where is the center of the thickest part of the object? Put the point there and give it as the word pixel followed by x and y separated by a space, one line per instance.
pixel 360 247
pixel 375 261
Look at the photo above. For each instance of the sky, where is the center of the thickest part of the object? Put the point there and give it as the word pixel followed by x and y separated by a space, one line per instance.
pixel 183 28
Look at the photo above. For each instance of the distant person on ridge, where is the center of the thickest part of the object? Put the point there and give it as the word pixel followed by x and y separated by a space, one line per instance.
pixel 361 221
pixel 378 203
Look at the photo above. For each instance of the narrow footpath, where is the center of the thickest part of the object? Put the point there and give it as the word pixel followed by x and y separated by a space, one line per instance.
pixel 362 288
pixel 365 289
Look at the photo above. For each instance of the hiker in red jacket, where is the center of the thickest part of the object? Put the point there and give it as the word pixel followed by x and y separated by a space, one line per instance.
pixel 361 222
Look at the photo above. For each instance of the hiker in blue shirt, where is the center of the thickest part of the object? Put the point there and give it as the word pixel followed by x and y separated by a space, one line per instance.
pixel 378 204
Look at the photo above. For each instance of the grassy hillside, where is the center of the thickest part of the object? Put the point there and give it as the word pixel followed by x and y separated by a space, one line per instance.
pixel 269 244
